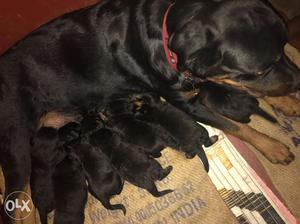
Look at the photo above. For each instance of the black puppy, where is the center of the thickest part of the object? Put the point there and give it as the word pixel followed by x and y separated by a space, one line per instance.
pixel 48 150
pixel 152 138
pixel 189 135
pixel 70 191
pixel 103 180
pixel 230 102
pixel 134 165
pixel 45 155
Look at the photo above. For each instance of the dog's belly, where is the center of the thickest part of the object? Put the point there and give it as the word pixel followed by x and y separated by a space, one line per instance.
pixel 57 119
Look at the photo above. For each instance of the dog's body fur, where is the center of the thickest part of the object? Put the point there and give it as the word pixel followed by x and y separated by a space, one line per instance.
pixel 115 48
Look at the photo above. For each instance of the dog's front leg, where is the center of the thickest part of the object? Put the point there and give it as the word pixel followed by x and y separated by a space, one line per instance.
pixel 16 166
pixel 272 149
pixel 288 105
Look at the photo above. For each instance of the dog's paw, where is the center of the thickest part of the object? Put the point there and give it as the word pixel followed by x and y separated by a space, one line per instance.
pixel 288 105
pixel 278 153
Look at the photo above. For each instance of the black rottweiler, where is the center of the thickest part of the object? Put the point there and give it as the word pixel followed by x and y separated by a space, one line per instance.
pixel 131 161
pixel 70 191
pixel 117 47
pixel 103 180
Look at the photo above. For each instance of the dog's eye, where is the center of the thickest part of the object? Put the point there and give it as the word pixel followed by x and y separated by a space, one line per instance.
pixel 265 72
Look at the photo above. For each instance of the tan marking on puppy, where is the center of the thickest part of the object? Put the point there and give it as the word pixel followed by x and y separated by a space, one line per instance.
pixel 273 150
pixel 288 105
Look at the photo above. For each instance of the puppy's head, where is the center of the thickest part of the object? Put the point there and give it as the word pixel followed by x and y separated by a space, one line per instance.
pixel 242 39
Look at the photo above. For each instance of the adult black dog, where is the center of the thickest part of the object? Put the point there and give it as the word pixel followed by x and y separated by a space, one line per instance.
pixel 116 47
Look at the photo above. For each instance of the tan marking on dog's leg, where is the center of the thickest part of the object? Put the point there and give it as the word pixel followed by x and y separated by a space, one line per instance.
pixel 272 149
pixel 31 219
pixel 289 105
pixel 22 217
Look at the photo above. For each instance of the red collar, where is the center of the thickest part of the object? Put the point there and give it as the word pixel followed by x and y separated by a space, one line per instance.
pixel 171 56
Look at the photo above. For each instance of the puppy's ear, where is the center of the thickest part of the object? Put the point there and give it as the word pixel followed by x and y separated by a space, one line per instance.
pixel 197 49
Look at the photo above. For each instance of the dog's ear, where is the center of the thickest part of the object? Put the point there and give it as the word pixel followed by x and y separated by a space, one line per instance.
pixel 203 60
pixel 197 50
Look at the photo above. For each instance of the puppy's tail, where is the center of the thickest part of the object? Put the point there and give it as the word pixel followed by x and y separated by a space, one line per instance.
pixel 260 112
pixel 153 190
pixel 204 160
pixel 165 172
pixel 107 205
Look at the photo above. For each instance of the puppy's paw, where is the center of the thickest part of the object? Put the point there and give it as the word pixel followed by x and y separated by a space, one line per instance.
pixel 278 153
pixel 212 140
pixel 191 154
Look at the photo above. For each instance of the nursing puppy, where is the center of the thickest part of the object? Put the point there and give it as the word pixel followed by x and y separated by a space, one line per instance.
pixel 103 179
pixel 49 148
pixel 232 103
pixel 152 138
pixel 189 135
pixel 70 191
pixel 45 155
pixel 131 161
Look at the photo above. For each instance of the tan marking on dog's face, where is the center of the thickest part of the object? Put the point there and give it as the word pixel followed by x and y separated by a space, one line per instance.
pixel 236 85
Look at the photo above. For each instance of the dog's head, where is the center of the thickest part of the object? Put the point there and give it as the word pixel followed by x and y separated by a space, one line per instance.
pixel 242 39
